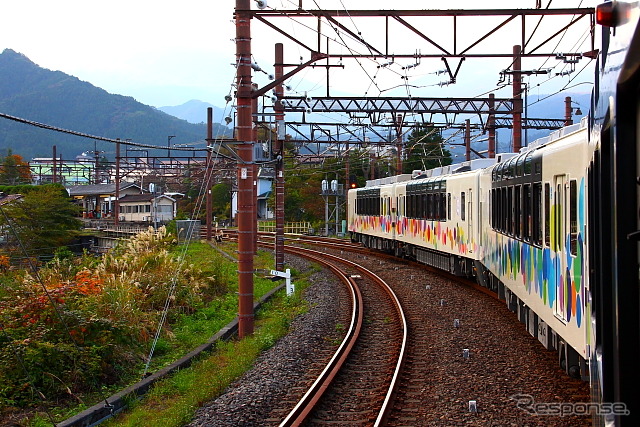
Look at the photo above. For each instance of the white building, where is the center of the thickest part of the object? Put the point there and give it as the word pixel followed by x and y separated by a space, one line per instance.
pixel 147 207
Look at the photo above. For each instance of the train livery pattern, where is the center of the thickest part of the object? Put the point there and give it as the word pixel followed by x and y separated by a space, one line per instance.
pixel 533 257
pixel 553 229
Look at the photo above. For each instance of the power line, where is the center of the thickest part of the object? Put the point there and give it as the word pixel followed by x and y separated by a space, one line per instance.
pixel 86 135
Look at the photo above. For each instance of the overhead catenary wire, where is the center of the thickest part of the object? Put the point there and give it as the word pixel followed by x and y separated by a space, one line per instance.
pixel 204 187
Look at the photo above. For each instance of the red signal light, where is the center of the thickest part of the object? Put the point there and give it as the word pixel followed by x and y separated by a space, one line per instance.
pixel 613 14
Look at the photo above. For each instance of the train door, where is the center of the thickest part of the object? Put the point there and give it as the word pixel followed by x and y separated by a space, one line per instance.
pixel 470 213
pixel 559 217
pixel 394 215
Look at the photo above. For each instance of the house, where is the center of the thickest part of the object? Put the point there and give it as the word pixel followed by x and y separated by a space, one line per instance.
pixel 264 185
pixel 98 200
pixel 147 207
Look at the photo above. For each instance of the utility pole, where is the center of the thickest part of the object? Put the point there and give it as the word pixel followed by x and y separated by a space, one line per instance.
pixel 279 152
pixel 244 150
pixel 208 172
pixel 116 204
pixel 399 119
pixel 254 171
pixel 568 110
pixel 491 121
pixel 467 139
pixel 55 166
pixel 517 99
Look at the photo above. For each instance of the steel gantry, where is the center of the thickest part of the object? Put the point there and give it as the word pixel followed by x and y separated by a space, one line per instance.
pixel 332 19
pixel 389 48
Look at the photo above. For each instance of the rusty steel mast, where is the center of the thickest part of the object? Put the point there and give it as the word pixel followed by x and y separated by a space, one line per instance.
pixel 245 143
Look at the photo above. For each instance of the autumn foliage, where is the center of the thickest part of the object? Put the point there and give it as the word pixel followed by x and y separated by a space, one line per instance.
pixel 78 324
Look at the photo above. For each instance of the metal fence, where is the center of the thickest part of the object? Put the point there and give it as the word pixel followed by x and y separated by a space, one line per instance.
pixel 188 230
pixel 289 227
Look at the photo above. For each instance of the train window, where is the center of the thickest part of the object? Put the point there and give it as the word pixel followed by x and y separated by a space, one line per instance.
pixel 501 215
pixel 449 206
pixel 410 205
pixel 547 214
pixel 509 210
pixel 517 203
pixel 462 202
pixel 537 213
pixel 561 201
pixel 414 206
pixel 527 163
pixel 443 206
pixel 526 202
pixel 494 208
pixel 520 166
pixel 512 167
pixel 573 217
pixel 504 171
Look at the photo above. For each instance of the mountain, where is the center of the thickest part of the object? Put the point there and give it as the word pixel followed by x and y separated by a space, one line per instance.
pixel 195 111
pixel 58 99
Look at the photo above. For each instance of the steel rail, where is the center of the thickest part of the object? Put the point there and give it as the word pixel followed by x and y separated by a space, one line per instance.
pixel 308 402
pixel 319 256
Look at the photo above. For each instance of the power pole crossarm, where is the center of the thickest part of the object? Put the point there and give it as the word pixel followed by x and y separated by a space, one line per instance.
pixel 314 57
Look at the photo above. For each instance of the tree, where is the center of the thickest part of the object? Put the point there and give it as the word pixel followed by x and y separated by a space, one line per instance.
pixel 221 200
pixel 425 150
pixel 14 170
pixel 43 220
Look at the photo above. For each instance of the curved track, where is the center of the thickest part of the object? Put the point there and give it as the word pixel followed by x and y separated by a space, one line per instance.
pixel 358 384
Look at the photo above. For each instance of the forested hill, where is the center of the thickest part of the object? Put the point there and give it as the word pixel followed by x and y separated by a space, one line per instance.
pixel 55 98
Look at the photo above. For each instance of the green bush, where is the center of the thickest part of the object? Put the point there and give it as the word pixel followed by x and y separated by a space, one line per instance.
pixel 104 315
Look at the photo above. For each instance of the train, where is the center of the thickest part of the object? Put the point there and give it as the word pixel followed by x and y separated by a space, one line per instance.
pixel 553 229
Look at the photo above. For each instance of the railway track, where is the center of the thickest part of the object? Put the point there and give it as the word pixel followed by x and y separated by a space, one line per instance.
pixel 460 356
pixel 357 385
pixel 438 383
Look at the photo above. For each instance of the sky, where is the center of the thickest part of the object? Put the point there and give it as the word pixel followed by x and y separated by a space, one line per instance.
pixel 165 53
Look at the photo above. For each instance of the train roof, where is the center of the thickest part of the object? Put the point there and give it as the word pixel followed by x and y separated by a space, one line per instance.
pixel 557 134
pixel 475 164
pixel 388 180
